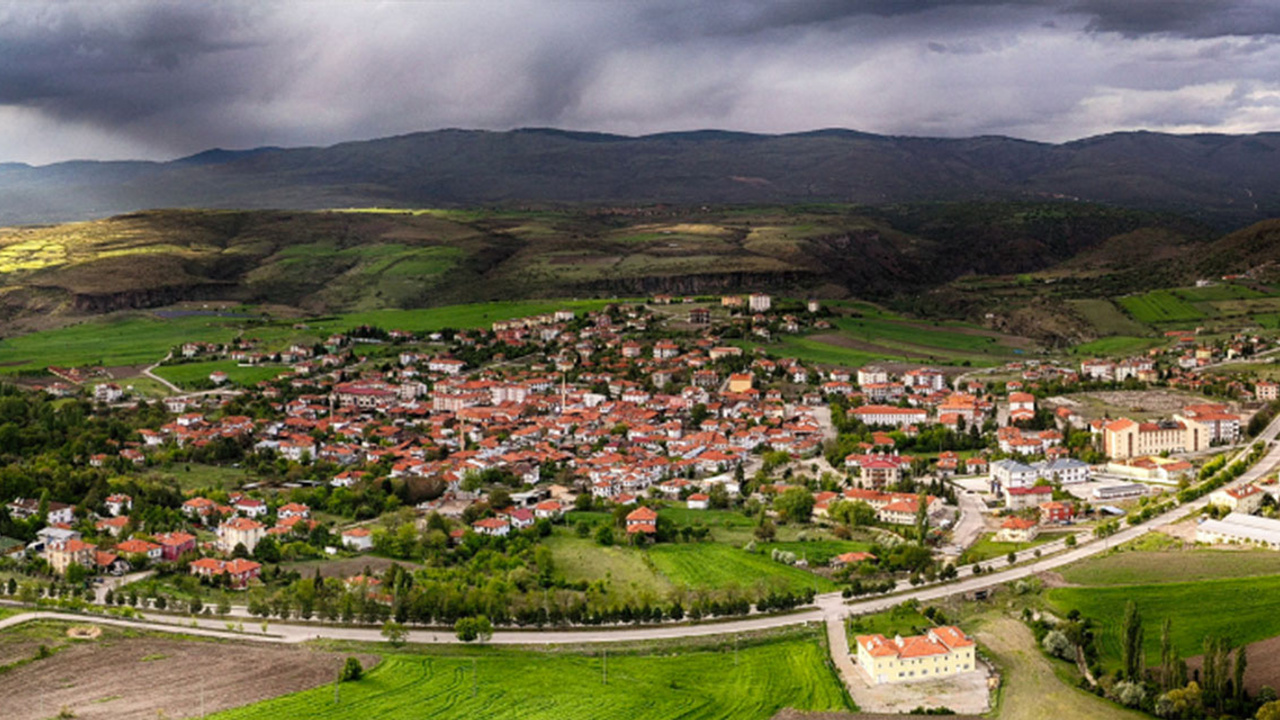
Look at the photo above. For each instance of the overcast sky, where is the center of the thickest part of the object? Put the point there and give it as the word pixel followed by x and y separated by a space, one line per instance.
pixel 160 80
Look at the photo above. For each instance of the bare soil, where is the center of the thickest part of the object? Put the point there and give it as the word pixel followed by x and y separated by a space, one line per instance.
pixel 135 677
pixel 1263 668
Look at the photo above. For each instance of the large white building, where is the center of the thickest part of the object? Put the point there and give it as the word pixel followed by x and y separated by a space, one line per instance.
pixel 759 302
pixel 1237 528
pixel 889 415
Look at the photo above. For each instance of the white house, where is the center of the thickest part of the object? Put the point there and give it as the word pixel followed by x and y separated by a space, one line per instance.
pixel 358 539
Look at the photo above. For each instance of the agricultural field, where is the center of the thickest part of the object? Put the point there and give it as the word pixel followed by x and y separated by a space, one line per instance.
pixel 1160 306
pixel 704 680
pixel 1214 293
pixel 1106 318
pixel 659 569
pixel 127 674
pixel 1116 345
pixel 1242 609
pixel 717 566
pixel 868 334
pixel 1125 566
pixel 137 338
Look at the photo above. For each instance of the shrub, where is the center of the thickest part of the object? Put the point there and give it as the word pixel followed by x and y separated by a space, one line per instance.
pixel 1056 644
pixel 351 671
pixel 1130 694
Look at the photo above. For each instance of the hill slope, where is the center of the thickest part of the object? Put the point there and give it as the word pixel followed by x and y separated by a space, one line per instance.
pixel 362 260
pixel 1227 180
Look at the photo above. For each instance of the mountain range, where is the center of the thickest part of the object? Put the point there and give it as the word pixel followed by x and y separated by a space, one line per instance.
pixel 1225 181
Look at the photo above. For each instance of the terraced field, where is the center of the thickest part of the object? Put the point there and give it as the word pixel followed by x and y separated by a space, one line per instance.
pixel 756 681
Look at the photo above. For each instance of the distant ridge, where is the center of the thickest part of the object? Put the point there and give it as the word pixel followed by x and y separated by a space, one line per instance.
pixel 1226 180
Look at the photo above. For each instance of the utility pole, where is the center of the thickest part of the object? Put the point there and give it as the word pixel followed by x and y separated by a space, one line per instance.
pixel 735 651
pixel 604 668
pixel 475 679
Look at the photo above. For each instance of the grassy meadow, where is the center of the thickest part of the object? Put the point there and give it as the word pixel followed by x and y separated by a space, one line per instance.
pixel 707 680
pixel 138 338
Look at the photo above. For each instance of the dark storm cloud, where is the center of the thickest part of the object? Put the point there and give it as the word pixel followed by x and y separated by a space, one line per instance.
pixel 165 78
pixel 1185 18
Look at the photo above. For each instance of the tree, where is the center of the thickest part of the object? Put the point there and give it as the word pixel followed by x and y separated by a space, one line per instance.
pixel 922 517
pixel 1180 702
pixel 267 550
pixel 795 504
pixel 1167 654
pixel 1237 679
pixel 604 535
pixel 352 670
pixel 1270 711
pixel 1058 645
pixel 765 530
pixel 224 605
pixel 395 633
pixel 1131 643
pixel 470 629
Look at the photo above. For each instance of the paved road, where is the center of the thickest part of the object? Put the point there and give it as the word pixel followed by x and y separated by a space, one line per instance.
pixel 971 524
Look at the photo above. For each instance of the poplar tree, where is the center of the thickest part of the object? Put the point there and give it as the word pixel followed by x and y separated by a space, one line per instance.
pixel 1131 639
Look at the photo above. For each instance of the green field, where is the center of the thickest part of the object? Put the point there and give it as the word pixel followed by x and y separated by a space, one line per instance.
pixel 141 338
pixel 986 548
pixel 756 681
pixel 1160 306
pixel 1242 609
pixel 1147 568
pixel 712 565
pixel 1106 318
pixel 699 565
pixel 580 559
pixel 193 373
pixel 1217 292
pixel 1117 345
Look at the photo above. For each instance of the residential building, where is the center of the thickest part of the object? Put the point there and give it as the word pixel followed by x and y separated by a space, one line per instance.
pixel 358 539
pixel 1244 499
pixel 62 555
pixel 1015 529
pixel 942 652
pixel 1012 474
pixel 239 571
pixel 240 531
pixel 642 520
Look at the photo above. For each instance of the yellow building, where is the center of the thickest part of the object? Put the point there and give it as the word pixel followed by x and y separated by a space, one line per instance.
pixel 942 652
pixel 1125 438
pixel 740 382
pixel 64 554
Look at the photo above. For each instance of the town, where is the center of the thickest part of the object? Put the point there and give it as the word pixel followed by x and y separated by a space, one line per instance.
pixel 540 443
